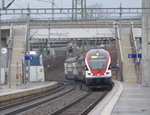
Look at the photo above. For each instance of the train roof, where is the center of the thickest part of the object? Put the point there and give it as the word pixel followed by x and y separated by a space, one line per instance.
pixel 75 59
pixel 94 51
pixel 101 53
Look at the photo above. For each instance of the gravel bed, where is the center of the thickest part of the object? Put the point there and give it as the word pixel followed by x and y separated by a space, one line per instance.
pixel 82 105
pixel 52 106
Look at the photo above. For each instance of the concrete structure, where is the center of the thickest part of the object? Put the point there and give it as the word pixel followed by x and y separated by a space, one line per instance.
pixel 20 92
pixel 146 44
pixel 124 99
pixel 37 73
pixel 105 107
pixel 73 33
pixel 62 34
pixel 17 55
pixel 124 47
pixel 129 73
pixel 134 100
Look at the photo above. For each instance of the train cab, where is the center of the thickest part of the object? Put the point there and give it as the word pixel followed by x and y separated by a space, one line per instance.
pixel 98 70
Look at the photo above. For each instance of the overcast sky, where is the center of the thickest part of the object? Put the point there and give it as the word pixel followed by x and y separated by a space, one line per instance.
pixel 68 3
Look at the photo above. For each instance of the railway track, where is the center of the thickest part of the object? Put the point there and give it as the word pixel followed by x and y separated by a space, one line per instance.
pixel 24 105
pixel 82 105
pixel 69 99
pixel 77 103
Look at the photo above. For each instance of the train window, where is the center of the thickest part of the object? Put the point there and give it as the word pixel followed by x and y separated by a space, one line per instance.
pixel 109 66
pixel 98 64
pixel 86 67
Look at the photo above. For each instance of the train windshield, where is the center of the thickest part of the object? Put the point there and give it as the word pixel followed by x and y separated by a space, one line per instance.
pixel 98 64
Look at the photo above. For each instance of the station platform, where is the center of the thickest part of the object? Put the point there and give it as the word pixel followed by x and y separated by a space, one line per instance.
pixel 125 99
pixel 24 90
pixel 134 100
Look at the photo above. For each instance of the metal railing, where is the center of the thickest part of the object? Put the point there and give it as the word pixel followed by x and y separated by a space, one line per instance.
pixel 70 11
pixel 119 51
pixel 134 43
pixel 67 13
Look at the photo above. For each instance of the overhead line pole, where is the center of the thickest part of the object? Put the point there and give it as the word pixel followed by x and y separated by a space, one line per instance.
pixel 0 48
pixel 146 43
pixel 9 4
pixel 120 21
pixel 53 3
pixel 27 65
pixel 3 4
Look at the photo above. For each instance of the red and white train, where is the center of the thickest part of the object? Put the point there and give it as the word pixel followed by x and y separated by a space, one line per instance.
pixel 94 68
pixel 98 70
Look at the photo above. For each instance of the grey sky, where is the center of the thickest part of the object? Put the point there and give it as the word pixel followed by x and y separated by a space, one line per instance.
pixel 68 3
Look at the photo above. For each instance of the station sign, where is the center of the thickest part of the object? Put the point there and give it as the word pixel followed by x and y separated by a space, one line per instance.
pixel 115 68
pixel 134 55
pixel 28 57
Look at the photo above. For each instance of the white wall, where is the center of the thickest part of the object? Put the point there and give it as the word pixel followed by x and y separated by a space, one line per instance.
pixel 37 73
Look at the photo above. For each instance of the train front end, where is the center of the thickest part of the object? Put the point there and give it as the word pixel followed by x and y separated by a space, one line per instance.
pixel 98 70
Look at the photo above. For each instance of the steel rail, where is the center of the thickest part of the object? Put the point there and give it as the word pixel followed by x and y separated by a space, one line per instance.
pixel 71 104
pixel 36 101
pixel 90 107
pixel 87 110
pixel 23 99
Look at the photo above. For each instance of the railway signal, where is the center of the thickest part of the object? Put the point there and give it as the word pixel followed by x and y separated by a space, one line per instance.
pixel 70 48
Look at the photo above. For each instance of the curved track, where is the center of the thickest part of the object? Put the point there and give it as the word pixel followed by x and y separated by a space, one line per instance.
pixel 82 105
pixel 19 107
pixel 68 99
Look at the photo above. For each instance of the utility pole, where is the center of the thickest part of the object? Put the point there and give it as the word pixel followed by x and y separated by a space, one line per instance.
pixel 78 10
pixel 0 47
pixel 10 41
pixel 53 4
pixel 2 4
pixel 146 43
pixel 27 53
pixel 120 20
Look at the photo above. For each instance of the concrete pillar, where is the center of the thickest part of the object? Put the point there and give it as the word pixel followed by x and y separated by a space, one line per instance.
pixel 146 44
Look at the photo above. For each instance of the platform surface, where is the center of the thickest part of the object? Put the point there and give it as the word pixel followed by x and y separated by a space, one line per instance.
pixel 5 90
pixel 134 100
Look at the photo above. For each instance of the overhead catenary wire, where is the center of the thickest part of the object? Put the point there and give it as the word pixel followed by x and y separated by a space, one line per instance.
pixel 8 5
pixel 68 16
pixel 17 5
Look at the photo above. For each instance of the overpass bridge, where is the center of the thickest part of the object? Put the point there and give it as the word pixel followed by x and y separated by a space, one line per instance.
pixel 92 30
pixel 60 33
pixel 127 38
pixel 40 25
pixel 44 37
pixel 46 23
